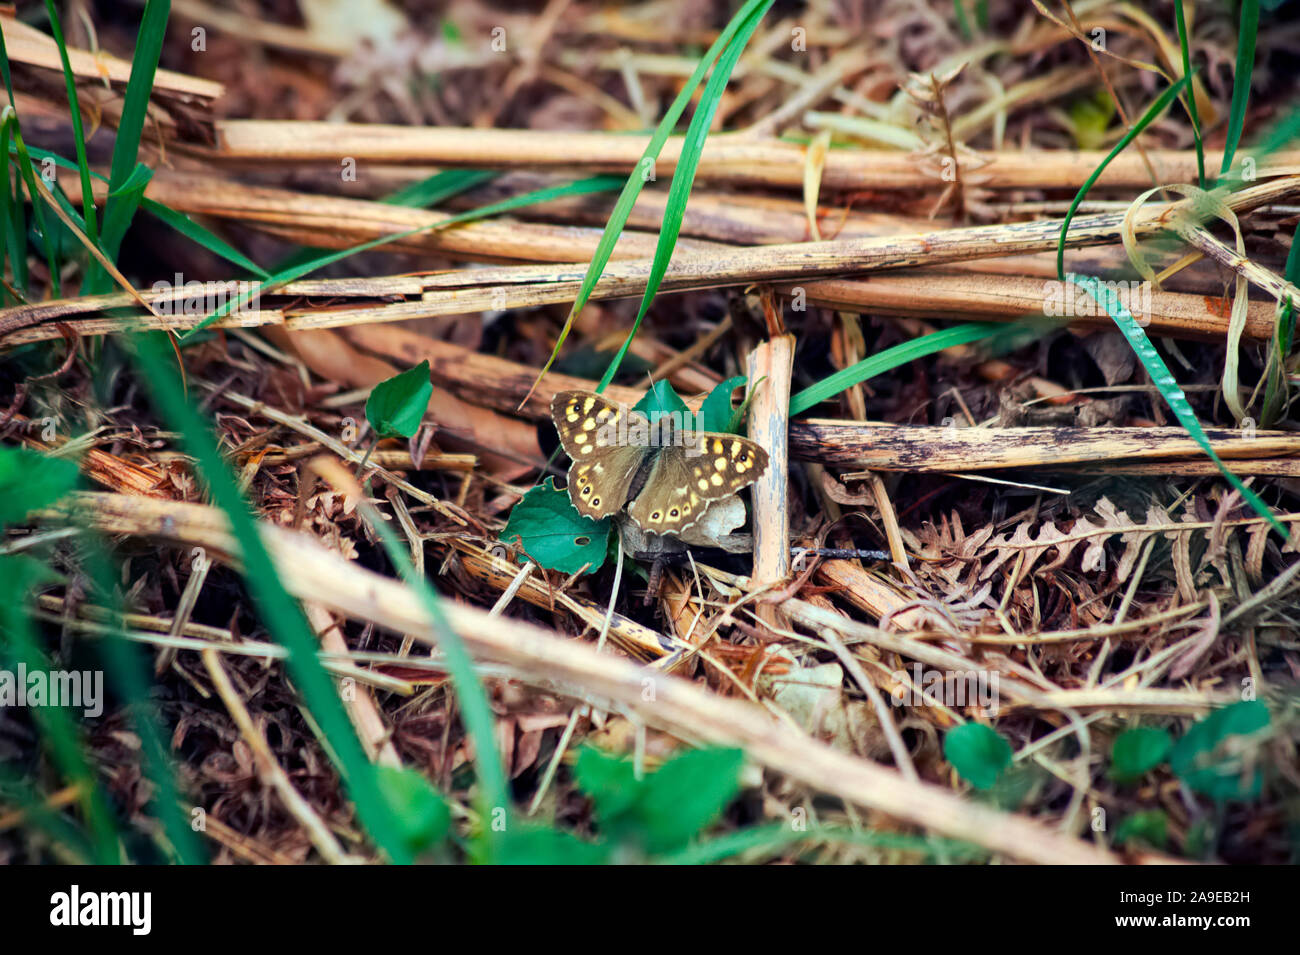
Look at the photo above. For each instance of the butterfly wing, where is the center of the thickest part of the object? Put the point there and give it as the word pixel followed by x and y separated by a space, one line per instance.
pixel 703 467
pixel 603 469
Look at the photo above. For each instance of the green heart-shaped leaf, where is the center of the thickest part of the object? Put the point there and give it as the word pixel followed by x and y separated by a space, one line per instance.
pixel 554 534
pixel 396 406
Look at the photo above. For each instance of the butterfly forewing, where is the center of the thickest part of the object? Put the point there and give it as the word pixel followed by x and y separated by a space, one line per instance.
pixel 603 467
pixel 703 467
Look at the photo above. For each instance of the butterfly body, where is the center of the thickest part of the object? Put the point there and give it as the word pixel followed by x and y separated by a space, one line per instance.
pixel 666 474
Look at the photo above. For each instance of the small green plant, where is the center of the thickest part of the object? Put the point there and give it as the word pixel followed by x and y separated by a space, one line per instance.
pixel 30 480
pixel 397 405
pixel 1149 827
pixel 422 816
pixel 1137 751
pixel 661 812
pixel 1219 756
pixel 978 753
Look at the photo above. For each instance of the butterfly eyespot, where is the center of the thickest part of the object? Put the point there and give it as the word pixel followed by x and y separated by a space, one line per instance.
pixel 742 457
pixel 656 515
pixel 673 513
pixel 586 491
pixel 595 502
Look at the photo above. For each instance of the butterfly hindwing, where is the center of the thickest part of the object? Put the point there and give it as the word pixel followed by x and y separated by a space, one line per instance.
pixel 701 467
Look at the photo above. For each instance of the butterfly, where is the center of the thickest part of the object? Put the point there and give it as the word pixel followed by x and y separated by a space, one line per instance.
pixel 667 472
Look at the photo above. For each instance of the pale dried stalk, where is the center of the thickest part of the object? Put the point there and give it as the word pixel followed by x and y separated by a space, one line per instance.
pixel 770 366
pixel 360 703
pixel 730 158
pixel 927 449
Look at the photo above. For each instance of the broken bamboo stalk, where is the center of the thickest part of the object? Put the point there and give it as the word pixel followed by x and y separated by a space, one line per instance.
pixel 769 369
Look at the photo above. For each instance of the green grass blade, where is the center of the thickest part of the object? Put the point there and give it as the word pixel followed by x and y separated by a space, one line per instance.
pixel 1154 110
pixel 1168 386
pixel 1246 31
pixel 57 729
pixel 281 614
pixel 12 219
pixel 439 187
pixel 28 171
pixel 424 194
pixel 1280 134
pixel 198 234
pixel 899 354
pixel 1190 95
pixel 679 192
pixel 15 789
pixel 963 22
pixel 120 210
pixel 17 246
pixel 480 723
pixel 297 271
pixel 78 134
pixel 637 178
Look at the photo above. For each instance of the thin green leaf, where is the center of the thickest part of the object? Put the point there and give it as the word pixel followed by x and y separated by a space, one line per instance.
pixel 1154 110
pixel 1167 385
pixel 30 480
pixel 900 354
pixel 439 187
pixel 1246 31
pixel 28 171
pixel 198 234
pixel 74 112
pixel 128 670
pixel 963 23
pixel 1189 97
pixel 19 575
pixel 12 226
pixel 688 162
pixel 780 835
pixel 120 210
pixel 643 171
pixel 493 798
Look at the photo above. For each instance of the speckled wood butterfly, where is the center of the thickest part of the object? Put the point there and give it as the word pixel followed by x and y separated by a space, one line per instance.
pixel 668 473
